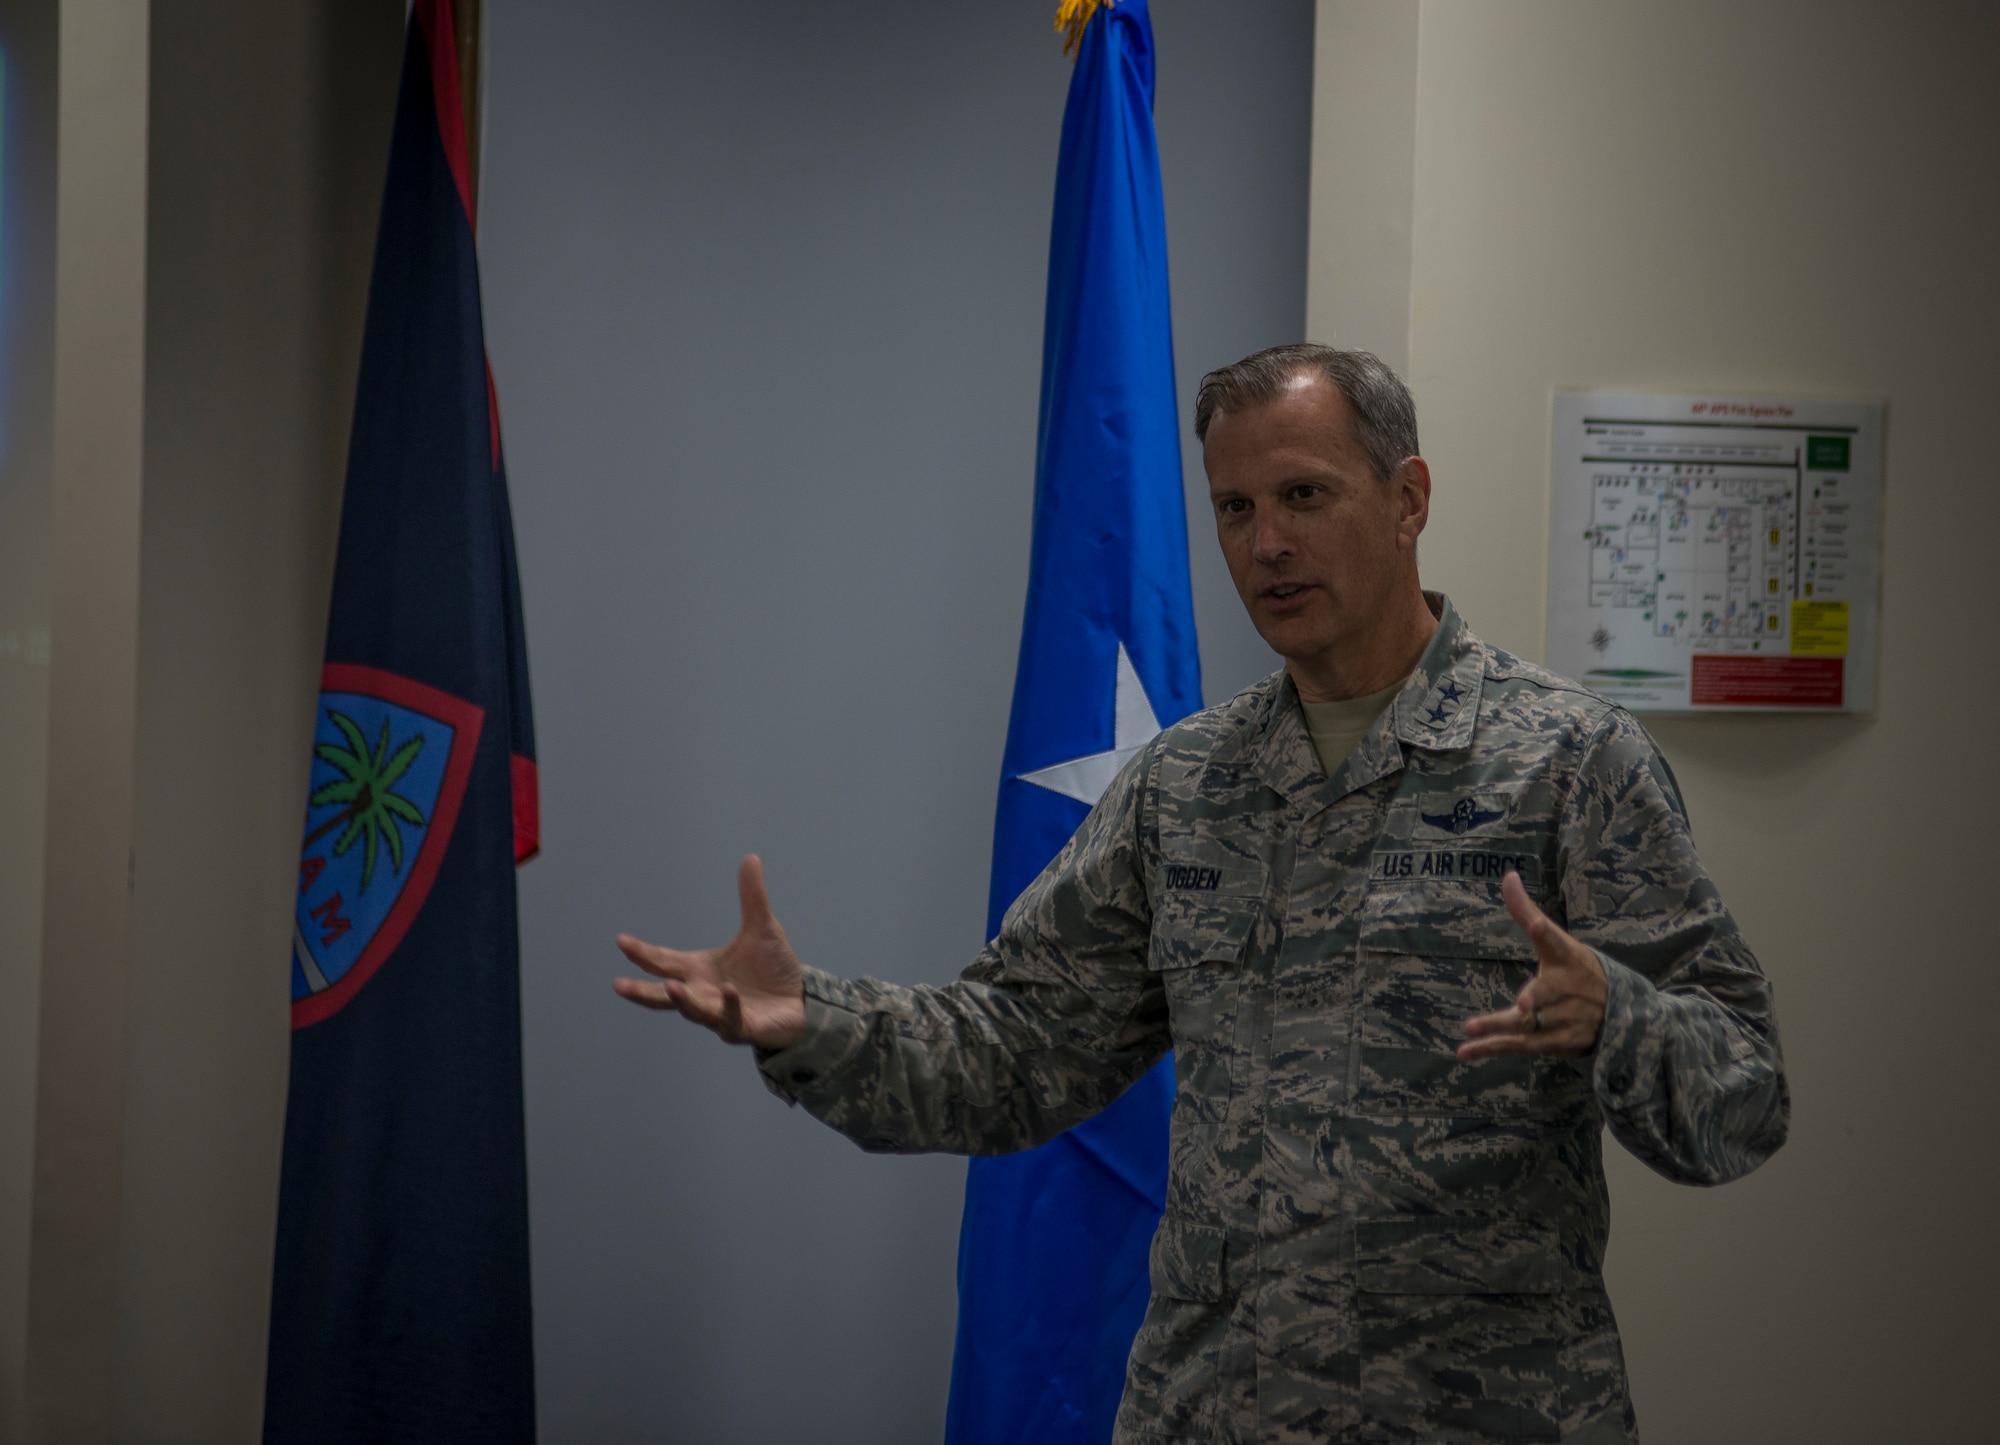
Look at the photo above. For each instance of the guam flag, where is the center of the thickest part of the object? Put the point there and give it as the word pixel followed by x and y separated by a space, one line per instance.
pixel 400 1304
pixel 1052 1250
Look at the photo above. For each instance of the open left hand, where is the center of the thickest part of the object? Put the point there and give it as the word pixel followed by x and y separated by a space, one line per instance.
pixel 1561 1011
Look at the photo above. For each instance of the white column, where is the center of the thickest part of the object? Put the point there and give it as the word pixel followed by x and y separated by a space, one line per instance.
pixel 99 427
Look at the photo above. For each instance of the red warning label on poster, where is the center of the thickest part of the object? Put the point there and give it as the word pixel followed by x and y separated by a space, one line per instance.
pixel 1730 680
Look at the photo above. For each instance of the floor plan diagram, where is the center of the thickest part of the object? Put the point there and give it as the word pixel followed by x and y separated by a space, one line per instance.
pixel 1715 553
pixel 1701 554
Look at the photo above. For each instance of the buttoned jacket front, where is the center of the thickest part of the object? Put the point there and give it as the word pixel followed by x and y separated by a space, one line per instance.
pixel 1364 1238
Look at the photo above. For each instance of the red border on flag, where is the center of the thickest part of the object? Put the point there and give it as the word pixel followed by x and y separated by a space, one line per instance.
pixel 433 18
pixel 465 719
pixel 527 809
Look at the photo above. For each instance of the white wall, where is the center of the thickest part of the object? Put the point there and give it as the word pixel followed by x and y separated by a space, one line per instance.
pixel 1777 197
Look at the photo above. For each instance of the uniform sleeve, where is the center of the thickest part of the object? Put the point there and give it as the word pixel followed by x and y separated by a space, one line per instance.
pixel 1687 1071
pixel 1055 1019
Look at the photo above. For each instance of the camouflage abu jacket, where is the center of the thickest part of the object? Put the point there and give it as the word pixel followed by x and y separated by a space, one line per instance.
pixel 1364 1239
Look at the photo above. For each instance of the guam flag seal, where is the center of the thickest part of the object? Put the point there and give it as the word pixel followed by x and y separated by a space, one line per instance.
pixel 378 820
pixel 400 1301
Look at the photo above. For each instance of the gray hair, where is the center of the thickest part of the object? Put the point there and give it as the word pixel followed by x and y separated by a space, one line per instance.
pixel 1385 415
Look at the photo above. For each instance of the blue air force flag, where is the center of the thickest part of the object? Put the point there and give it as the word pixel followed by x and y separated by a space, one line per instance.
pixel 399 1303
pixel 1052 1249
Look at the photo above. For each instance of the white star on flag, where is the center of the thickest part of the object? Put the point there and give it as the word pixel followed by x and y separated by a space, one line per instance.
pixel 1133 725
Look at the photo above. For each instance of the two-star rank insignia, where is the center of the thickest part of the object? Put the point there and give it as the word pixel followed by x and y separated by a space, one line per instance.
pixel 1448 695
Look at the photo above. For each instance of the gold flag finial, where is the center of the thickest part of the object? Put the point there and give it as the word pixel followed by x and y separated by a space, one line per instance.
pixel 1073 18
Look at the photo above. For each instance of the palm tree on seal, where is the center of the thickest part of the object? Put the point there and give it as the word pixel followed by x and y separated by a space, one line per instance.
pixel 365 785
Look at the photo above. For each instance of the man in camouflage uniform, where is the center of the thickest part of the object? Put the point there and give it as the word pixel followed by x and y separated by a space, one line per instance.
pixel 1406 989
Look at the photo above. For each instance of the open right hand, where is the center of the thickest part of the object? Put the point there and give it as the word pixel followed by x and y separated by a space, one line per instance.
pixel 749 992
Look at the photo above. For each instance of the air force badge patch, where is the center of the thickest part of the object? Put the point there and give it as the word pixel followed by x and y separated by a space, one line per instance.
pixel 390 762
pixel 1462 815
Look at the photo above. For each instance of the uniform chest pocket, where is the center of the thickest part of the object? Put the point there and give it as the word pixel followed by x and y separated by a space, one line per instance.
pixel 1431 956
pixel 1198 946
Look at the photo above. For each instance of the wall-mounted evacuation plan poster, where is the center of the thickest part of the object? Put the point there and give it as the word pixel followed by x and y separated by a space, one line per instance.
pixel 1716 554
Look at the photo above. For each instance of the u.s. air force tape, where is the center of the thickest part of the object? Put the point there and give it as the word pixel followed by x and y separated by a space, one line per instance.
pixel 1467 864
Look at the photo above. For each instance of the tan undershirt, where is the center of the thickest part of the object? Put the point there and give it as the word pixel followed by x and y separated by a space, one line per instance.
pixel 1337 726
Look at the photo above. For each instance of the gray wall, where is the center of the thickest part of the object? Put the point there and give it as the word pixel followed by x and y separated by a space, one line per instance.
pixel 764 301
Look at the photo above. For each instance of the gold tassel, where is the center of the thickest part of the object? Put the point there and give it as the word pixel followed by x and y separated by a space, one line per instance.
pixel 1073 18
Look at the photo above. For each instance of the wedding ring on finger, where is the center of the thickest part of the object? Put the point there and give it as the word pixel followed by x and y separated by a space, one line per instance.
pixel 1540 1022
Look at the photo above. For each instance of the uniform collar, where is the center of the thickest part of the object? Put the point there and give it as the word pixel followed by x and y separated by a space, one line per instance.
pixel 1436 708
pixel 1434 711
